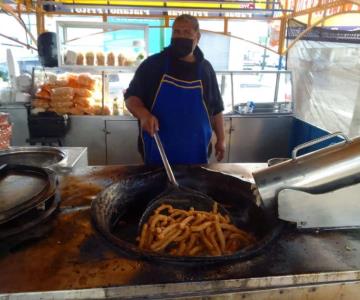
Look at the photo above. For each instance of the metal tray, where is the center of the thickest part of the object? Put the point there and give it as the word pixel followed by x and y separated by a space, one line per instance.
pixel 23 188
pixel 32 156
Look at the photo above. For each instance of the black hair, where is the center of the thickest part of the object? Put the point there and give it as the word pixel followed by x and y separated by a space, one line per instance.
pixel 188 18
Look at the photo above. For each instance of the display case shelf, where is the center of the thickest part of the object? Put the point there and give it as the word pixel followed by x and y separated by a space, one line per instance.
pixel 92 69
pixel 79 44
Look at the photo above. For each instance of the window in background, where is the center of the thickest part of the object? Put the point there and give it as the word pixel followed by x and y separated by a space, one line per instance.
pixel 246 56
pixel 212 25
pixel 25 58
pixel 156 33
pixel 50 21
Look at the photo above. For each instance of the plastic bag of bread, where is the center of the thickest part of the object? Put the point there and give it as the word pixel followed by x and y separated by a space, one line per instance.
pixel 130 61
pixel 82 92
pixel 82 101
pixel 43 94
pixel 121 59
pixel 60 111
pixel 64 104
pixel 62 92
pixel 47 87
pixel 40 103
pixel 72 80
pixel 62 99
pixel 110 61
pixel 100 59
pixel 85 110
pixel 90 58
pixel 86 81
pixel 98 110
pixel 70 58
pixel 50 78
pixel 76 111
pixel 80 59
pixel 62 82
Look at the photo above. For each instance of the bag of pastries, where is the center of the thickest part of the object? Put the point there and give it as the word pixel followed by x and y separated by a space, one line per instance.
pixel 100 59
pixel 82 92
pixel 86 81
pixel 64 104
pixel 40 103
pixel 67 92
pixel 121 60
pixel 70 58
pixel 110 59
pixel 76 111
pixel 90 58
pixel 80 59
pixel 82 101
pixel 43 94
pixel 60 111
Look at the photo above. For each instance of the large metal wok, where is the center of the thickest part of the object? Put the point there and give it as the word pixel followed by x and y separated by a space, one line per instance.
pixel 117 210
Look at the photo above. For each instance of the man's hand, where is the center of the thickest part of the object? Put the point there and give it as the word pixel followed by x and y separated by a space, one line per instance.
pixel 149 123
pixel 218 125
pixel 220 149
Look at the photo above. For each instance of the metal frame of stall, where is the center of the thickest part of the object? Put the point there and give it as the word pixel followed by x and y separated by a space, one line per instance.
pixel 283 11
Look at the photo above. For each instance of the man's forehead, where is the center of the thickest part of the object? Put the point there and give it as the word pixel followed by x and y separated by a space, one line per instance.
pixel 183 25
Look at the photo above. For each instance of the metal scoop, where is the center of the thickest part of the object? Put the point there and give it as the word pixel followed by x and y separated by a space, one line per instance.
pixel 176 195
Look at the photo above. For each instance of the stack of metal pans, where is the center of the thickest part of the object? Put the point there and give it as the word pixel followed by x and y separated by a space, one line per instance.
pixel 45 157
pixel 27 197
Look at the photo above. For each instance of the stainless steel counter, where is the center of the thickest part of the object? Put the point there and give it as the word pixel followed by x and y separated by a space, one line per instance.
pixel 75 262
pixel 113 139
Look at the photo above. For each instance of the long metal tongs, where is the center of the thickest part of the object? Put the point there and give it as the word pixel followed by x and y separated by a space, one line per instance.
pixel 176 195
pixel 165 161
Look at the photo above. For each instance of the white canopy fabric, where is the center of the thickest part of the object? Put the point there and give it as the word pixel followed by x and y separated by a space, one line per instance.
pixel 326 80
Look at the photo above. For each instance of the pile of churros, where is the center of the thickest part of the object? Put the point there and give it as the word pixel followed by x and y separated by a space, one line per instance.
pixel 192 233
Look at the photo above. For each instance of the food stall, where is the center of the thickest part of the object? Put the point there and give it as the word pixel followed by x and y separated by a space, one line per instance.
pixel 75 237
pixel 67 258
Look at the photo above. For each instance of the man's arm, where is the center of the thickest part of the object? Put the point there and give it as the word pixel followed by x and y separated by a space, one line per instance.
pixel 218 124
pixel 147 120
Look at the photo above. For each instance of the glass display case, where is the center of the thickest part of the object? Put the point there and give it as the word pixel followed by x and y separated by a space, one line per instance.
pixel 243 92
pixel 89 45
pixel 256 92
pixel 108 55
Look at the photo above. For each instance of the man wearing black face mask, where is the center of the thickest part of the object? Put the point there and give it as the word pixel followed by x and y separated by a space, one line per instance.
pixel 175 92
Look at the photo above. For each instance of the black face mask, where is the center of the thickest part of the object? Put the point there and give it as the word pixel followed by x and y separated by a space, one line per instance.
pixel 181 47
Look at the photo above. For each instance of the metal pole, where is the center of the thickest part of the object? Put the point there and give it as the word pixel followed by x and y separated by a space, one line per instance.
pixel 276 89
pixel 232 91
pixel 102 91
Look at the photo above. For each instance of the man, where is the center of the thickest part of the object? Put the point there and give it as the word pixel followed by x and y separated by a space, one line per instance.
pixel 175 92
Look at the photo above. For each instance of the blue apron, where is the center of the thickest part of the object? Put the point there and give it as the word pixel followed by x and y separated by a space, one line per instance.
pixel 185 128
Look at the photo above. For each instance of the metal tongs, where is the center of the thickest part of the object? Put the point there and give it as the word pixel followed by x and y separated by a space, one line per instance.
pixel 178 196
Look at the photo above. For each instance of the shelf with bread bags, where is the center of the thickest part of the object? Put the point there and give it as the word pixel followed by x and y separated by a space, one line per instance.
pixel 72 93
pixel 92 57
pixel 75 92
pixel 96 47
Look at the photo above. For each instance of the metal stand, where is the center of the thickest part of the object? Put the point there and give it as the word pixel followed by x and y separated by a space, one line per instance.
pixel 336 209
